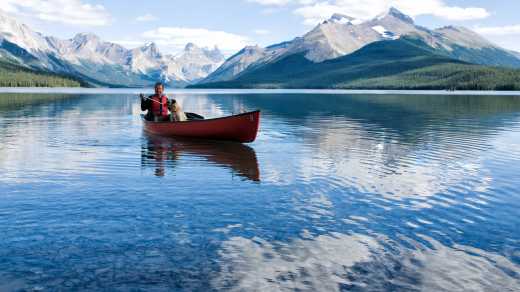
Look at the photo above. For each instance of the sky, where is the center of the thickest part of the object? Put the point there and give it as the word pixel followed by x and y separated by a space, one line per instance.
pixel 233 24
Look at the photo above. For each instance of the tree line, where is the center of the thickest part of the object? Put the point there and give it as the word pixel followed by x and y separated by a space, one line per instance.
pixel 12 75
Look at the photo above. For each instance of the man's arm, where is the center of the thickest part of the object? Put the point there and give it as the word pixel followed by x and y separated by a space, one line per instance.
pixel 145 103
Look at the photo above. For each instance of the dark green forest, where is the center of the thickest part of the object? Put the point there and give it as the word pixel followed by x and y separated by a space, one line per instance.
pixel 444 76
pixel 13 75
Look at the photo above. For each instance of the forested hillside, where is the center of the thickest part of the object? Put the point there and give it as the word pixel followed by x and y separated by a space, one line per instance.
pixel 13 75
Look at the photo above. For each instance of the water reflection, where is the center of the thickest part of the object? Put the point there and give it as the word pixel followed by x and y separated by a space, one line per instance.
pixel 353 262
pixel 162 154
pixel 357 192
pixel 414 150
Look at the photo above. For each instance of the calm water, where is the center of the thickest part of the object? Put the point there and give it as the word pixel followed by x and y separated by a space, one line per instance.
pixel 339 192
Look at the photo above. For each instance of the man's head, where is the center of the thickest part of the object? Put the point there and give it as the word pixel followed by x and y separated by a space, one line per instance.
pixel 159 88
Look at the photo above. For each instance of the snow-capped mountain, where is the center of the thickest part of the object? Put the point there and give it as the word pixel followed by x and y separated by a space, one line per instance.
pixel 23 45
pixel 101 62
pixel 22 35
pixel 196 63
pixel 341 35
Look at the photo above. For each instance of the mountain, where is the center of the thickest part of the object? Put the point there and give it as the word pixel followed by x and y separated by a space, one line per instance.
pixel 197 63
pixel 21 44
pixel 237 63
pixel 342 35
pixel 464 44
pixel 405 63
pixel 103 63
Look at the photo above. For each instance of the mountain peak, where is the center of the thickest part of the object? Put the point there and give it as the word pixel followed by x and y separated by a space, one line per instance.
pixel 216 49
pixel 215 54
pixel 190 47
pixel 14 31
pixel 194 50
pixel 340 18
pixel 252 49
pixel 396 13
pixel 151 50
pixel 149 47
pixel 85 37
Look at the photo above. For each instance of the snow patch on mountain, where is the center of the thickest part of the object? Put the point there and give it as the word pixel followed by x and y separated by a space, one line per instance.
pixel 385 33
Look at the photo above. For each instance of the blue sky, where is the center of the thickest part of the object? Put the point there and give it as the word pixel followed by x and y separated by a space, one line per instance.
pixel 232 24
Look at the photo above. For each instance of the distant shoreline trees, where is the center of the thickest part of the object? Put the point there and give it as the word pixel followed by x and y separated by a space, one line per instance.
pixel 13 75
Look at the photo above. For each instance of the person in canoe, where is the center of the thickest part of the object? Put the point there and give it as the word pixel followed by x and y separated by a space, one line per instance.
pixel 156 105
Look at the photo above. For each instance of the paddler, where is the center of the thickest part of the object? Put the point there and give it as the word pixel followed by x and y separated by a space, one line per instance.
pixel 156 105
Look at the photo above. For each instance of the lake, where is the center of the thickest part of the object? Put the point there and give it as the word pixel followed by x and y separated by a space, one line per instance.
pixel 362 191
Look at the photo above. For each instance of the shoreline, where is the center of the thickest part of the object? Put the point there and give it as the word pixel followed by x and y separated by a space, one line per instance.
pixel 83 90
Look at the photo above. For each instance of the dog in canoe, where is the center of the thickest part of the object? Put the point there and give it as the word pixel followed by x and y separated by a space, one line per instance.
pixel 176 113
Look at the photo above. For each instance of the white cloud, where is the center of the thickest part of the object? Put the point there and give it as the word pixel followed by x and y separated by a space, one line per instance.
pixel 146 17
pixel 366 9
pixel 175 38
pixel 440 9
pixel 505 36
pixel 74 12
pixel 499 30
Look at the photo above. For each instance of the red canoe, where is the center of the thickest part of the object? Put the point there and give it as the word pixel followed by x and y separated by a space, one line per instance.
pixel 241 128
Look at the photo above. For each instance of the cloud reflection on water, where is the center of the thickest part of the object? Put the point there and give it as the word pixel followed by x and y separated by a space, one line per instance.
pixel 335 262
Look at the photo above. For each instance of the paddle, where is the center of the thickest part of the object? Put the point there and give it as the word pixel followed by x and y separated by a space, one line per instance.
pixel 144 97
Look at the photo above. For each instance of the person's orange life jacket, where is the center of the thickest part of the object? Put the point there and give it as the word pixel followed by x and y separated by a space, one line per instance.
pixel 157 109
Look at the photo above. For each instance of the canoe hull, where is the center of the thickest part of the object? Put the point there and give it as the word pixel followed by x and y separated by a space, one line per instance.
pixel 241 128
